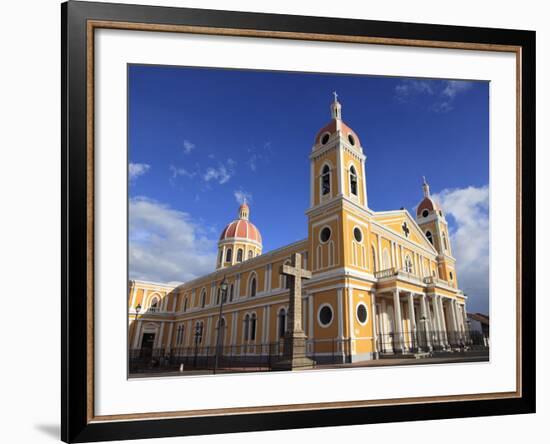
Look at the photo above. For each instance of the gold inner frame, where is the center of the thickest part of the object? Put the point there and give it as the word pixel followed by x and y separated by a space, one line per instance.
pixel 92 25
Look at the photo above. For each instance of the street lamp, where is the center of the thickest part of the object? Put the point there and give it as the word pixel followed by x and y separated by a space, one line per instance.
pixel 137 310
pixel 223 288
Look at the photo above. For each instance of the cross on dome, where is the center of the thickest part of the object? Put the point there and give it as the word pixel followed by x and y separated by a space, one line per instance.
pixel 425 187
pixel 336 108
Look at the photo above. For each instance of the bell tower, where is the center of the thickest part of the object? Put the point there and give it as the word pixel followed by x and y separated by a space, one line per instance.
pixel 338 189
pixel 337 163
pixel 431 220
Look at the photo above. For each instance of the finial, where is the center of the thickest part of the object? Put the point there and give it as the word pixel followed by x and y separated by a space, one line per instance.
pixel 336 108
pixel 425 187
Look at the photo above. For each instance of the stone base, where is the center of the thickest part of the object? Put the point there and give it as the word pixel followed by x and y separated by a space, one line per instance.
pixel 298 363
pixel 294 353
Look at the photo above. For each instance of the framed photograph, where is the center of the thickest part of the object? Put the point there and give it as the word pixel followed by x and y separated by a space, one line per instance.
pixel 276 221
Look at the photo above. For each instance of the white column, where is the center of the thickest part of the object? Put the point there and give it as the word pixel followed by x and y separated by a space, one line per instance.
pixel 437 322
pixel 392 248
pixel 310 318
pixel 207 331
pixel 233 327
pixel 341 171
pixel 457 320
pixel 365 200
pixel 384 326
pixel 137 333
pixel 170 331
pixel 158 341
pixel 398 321
pixel 412 321
pixel 340 314
pixel 424 314
pixel 374 321
pixel 443 321
pixel 380 264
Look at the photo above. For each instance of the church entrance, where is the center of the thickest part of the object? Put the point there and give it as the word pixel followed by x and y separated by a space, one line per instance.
pixel 147 344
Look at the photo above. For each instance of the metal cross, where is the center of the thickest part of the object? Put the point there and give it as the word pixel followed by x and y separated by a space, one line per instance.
pixel 295 273
pixel 335 96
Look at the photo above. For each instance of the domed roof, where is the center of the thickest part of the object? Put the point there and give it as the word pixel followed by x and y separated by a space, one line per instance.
pixel 427 203
pixel 331 128
pixel 336 124
pixel 242 228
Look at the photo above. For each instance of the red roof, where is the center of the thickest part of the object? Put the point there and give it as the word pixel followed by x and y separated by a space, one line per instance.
pixel 331 129
pixel 426 204
pixel 241 228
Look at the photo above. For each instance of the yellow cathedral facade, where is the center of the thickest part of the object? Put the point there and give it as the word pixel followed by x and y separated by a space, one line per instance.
pixel 383 283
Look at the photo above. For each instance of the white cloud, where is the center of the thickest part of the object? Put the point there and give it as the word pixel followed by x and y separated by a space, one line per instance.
pixel 181 172
pixel 409 87
pixel 453 87
pixel 167 245
pixel 137 169
pixel 188 146
pixel 444 92
pixel 221 174
pixel 469 207
pixel 242 196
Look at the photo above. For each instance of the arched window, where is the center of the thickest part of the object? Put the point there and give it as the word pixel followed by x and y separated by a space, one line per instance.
pixel 253 327
pixel 185 305
pixel 231 293
pixel 430 237
pixel 281 328
pixel 353 180
pixel 325 180
pixel 373 254
pixel 408 264
pixel 203 298
pixel 240 255
pixel 445 242
pixel 252 290
pixel 154 305
pixel 179 334
pixel 220 257
pixel 250 254
pixel 199 326
pixel 451 275
pixel 246 326
pixel 228 255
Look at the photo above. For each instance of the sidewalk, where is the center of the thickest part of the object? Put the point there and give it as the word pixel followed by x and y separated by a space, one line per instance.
pixel 451 358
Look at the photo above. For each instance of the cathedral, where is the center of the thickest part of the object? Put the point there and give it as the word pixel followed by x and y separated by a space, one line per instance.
pixel 383 283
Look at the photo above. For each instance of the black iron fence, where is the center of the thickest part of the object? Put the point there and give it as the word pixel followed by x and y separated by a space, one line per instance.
pixel 258 357
pixel 262 356
pixel 431 341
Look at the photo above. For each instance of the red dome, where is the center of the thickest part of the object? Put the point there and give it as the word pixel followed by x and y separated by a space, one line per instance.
pixel 243 229
pixel 330 128
pixel 426 204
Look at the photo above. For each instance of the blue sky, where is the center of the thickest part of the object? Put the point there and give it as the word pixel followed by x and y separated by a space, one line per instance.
pixel 201 139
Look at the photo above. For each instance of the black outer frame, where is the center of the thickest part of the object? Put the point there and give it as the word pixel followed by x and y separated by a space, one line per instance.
pixel 74 424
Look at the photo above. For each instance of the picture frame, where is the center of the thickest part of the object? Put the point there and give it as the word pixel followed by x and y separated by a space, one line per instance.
pixel 80 20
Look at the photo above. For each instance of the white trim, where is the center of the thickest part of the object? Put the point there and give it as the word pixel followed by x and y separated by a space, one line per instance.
pixel 326 304
pixel 340 313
